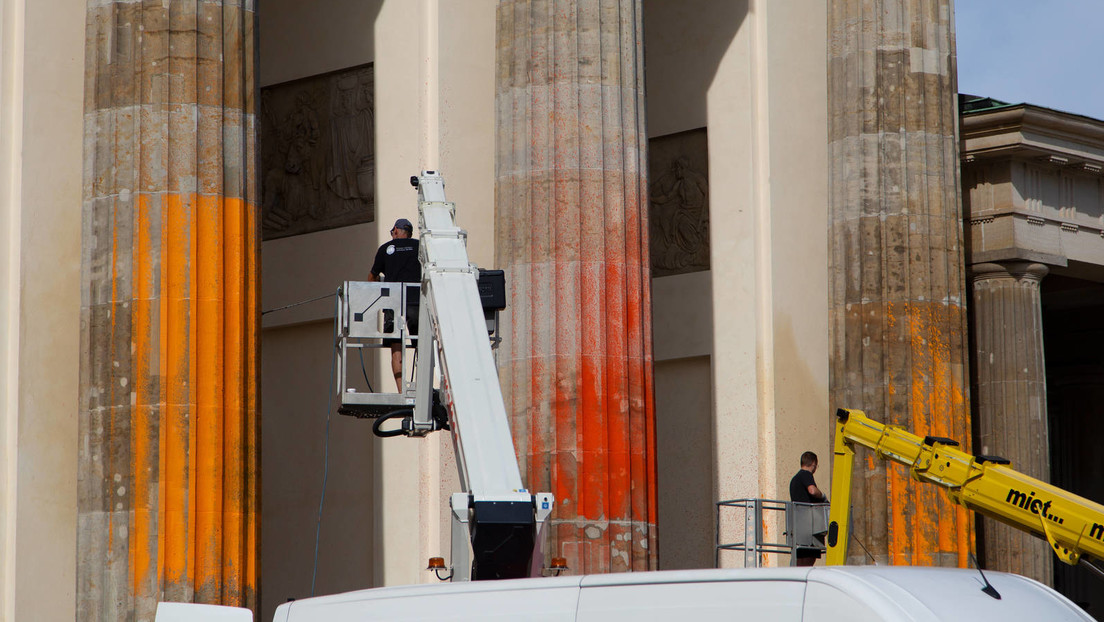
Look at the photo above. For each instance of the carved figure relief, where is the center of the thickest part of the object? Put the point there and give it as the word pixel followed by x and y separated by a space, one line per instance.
pixel 318 168
pixel 678 210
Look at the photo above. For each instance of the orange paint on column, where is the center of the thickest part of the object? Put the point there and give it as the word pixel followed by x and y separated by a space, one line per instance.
pixel 177 488
pixel 164 481
pixel 247 593
pixel 144 550
pixel 233 399
pixel 209 361
pixel 208 534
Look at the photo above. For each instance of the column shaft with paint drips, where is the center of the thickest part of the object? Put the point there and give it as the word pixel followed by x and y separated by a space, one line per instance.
pixel 571 212
pixel 168 423
pixel 897 311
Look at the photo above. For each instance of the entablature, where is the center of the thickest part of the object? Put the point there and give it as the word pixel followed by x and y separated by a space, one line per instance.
pixel 1033 187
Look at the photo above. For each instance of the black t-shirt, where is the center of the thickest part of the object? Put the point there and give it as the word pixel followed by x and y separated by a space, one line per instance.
pixel 398 261
pixel 799 487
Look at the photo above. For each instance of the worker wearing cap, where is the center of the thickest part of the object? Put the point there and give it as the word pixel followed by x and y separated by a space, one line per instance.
pixel 398 262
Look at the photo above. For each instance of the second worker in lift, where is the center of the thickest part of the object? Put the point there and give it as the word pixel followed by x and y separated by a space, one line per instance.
pixel 398 262
pixel 803 489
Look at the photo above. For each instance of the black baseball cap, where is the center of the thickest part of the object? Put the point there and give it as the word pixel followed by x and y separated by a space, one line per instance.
pixel 403 223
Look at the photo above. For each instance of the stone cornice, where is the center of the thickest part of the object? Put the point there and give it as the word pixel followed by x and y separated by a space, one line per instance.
pixel 1061 138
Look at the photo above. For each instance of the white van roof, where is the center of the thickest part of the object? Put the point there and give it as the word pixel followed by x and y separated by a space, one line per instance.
pixel 952 593
pixel 880 592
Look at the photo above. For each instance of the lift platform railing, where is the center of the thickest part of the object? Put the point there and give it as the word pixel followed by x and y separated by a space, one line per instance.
pixel 805 526
pixel 368 312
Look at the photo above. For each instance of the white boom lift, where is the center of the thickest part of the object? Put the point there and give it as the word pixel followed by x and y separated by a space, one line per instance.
pixel 495 513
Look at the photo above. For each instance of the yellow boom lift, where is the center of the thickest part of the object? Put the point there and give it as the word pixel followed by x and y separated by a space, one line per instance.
pixel 1073 525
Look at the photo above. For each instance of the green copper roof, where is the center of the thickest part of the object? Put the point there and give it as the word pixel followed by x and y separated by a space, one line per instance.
pixel 973 103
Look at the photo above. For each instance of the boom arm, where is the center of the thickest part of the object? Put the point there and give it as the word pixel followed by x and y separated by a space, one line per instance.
pixel 501 515
pixel 501 519
pixel 486 458
pixel 1073 525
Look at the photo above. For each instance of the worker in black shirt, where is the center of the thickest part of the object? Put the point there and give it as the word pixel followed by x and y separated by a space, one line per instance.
pixel 398 262
pixel 803 489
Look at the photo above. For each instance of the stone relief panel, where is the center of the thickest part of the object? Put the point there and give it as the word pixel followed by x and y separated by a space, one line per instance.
pixel 317 153
pixel 678 210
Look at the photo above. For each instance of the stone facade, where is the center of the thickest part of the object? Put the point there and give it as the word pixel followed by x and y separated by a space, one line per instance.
pixel 1033 196
pixel 1033 186
pixel 743 357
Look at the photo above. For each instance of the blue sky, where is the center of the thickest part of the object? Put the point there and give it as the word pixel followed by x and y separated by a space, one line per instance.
pixel 1044 52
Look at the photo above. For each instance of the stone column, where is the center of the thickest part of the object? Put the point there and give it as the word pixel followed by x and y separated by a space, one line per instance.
pixel 167 501
pixel 1011 412
pixel 571 214
pixel 897 313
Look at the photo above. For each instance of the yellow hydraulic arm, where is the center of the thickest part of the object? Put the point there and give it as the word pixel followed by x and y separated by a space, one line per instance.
pixel 1074 526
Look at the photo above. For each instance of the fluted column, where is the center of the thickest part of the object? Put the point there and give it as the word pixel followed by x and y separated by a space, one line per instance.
pixel 1011 398
pixel 897 312
pixel 168 420
pixel 571 218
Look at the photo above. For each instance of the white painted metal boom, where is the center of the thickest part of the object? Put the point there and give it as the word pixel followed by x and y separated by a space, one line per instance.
pixel 501 518
pixel 485 450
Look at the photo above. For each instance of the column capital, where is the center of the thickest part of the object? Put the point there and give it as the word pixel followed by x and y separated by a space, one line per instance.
pixel 1018 270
